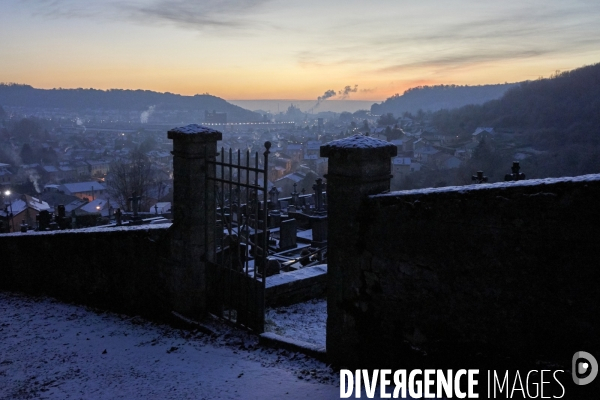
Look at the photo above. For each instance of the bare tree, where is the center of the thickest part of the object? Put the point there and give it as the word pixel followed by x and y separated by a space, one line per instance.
pixel 128 176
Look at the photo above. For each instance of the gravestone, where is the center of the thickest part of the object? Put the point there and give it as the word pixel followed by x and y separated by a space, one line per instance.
pixel 118 217
pixel 287 234
pixel 44 218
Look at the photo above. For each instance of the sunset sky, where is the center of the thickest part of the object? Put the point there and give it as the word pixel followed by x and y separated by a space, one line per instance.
pixel 275 49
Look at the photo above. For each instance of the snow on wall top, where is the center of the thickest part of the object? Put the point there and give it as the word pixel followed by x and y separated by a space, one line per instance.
pixel 145 227
pixel 499 185
pixel 302 273
pixel 356 142
pixel 193 129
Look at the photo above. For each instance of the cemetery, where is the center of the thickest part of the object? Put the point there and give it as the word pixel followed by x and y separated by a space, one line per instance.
pixel 471 271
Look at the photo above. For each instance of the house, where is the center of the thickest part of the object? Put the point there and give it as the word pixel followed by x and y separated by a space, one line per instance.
pixel 295 151
pixel 464 152
pixel 313 149
pixel 423 153
pixel 50 173
pixel 100 206
pixel 84 190
pixel 6 177
pixel 24 209
pixel 482 133
pixel 160 156
pixel 401 167
pixel 161 208
pixel 99 167
pixel 66 172
pixel 444 161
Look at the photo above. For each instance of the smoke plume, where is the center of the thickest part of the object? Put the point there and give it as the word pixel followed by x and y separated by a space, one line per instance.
pixel 344 93
pixel 79 122
pixel 146 114
pixel 347 90
pixel 34 178
pixel 326 95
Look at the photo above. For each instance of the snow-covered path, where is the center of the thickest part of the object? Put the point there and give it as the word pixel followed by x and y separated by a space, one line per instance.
pixel 53 350
pixel 304 321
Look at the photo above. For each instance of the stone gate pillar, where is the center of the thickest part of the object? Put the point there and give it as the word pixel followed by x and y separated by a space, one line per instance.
pixel 359 166
pixel 193 209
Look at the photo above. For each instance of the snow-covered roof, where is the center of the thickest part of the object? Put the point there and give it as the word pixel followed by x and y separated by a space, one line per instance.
pixel 401 161
pixel 74 205
pixel 296 177
pixel 49 168
pixel 427 150
pixel 82 187
pixel 95 206
pixel 20 204
pixel 483 129
pixel 313 145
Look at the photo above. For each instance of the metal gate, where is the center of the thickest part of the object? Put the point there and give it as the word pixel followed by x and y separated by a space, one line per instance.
pixel 236 278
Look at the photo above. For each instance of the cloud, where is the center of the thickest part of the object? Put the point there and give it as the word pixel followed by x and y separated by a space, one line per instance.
pixel 462 59
pixel 189 14
pixel 196 14
pixel 451 39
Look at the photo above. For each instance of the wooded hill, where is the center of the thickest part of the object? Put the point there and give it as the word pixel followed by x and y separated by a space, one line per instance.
pixel 118 99
pixel 557 117
pixel 564 108
pixel 433 98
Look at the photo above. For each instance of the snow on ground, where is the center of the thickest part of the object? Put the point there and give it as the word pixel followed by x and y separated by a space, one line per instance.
pixel 52 350
pixel 304 321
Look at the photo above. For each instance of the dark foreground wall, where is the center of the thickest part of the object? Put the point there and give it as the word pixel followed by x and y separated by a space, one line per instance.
pixel 509 270
pixel 121 269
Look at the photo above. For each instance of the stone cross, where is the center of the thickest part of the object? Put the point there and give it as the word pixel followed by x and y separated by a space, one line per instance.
pixel 318 188
pixel 295 195
pixel 479 178
pixel 516 175
pixel 135 203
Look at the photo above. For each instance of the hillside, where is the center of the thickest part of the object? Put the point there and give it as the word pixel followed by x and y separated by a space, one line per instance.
pixel 117 99
pixel 562 109
pixel 433 98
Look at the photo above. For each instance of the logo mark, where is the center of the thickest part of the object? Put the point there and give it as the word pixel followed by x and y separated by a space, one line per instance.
pixel 584 363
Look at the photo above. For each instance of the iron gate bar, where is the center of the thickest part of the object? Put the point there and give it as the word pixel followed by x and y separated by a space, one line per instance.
pixel 237 290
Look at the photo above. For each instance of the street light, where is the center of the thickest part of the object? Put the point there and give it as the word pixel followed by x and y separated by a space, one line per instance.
pixel 12 219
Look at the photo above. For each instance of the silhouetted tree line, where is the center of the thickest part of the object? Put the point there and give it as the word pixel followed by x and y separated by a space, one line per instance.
pixel 432 98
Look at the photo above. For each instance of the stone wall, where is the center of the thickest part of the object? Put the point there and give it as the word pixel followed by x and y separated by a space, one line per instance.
pixel 120 269
pixel 494 273
pixel 296 286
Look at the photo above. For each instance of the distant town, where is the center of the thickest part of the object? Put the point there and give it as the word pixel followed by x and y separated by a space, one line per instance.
pixel 92 152
pixel 53 158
